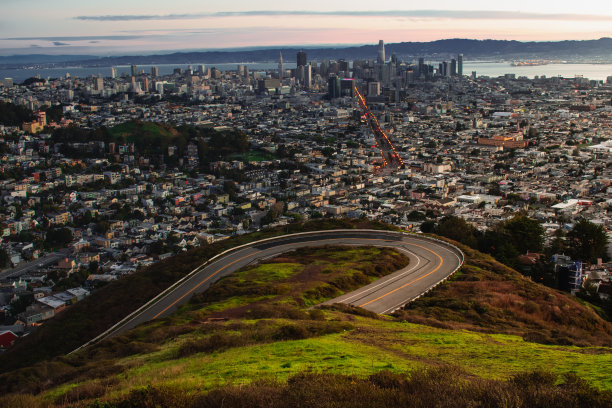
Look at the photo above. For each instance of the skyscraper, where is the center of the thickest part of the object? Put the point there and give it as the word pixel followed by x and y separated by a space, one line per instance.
pixel 134 70
pixel 333 87
pixel 381 52
pixel 460 65
pixel 99 83
pixel 301 59
pixel 453 67
pixel 113 72
pixel 307 76
pixel 281 68
pixel 347 87
pixel 154 72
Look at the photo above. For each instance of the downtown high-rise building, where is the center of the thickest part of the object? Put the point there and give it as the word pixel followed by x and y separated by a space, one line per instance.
pixel 281 67
pixel 460 65
pixel 113 73
pixel 381 52
pixel 307 76
pixel 134 70
pixel 453 67
pixel 333 87
pixel 154 72
pixel 301 59
pixel 99 83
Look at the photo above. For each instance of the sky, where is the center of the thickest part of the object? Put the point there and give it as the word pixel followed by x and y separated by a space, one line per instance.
pixel 122 27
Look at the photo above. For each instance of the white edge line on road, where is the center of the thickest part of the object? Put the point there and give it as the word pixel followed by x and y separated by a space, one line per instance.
pixel 358 292
pixel 165 292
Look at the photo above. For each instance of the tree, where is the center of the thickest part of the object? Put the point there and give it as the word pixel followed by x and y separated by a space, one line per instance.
pixel 416 216
pixel 428 226
pixel 588 292
pixel 59 236
pixel 276 210
pixel 4 258
pixel 102 227
pixel 525 234
pixel 93 267
pixel 587 241
pixel 458 229
pixel 557 245
pixel 230 188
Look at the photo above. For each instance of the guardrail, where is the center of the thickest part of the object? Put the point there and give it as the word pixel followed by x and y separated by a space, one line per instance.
pixel 109 332
pixel 459 254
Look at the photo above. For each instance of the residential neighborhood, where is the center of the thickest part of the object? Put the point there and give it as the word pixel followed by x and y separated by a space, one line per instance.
pixel 110 175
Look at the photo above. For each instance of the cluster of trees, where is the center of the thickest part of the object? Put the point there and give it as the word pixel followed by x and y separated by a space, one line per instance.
pixel 508 240
pixel 154 139
pixel 14 115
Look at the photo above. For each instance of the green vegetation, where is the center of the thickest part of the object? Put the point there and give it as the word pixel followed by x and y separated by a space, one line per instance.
pixel 587 241
pixel 147 135
pixel 14 115
pixel 300 278
pixel 490 297
pixel 154 139
pixel 487 337
pixel 439 387
pixel 58 237
pixel 98 312
pixel 254 155
pixel 507 240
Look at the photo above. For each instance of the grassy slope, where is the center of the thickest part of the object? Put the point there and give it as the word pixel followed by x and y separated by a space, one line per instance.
pixel 488 296
pixel 155 131
pixel 105 307
pixel 277 338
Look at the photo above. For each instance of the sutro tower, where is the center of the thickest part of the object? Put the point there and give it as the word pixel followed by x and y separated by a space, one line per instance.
pixel 381 52
pixel 281 68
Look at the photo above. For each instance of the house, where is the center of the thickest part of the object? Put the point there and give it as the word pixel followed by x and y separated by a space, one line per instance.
pixel 78 293
pixel 7 338
pixel 53 302
pixel 36 313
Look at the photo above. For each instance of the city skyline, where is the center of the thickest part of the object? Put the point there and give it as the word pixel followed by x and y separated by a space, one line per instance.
pixel 70 27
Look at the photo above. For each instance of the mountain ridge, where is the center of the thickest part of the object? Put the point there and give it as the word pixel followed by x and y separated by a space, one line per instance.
pixel 601 47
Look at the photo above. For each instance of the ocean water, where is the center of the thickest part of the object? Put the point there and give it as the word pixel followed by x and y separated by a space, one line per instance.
pixel 491 69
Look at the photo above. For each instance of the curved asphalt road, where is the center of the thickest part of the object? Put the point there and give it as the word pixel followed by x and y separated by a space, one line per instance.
pixel 430 263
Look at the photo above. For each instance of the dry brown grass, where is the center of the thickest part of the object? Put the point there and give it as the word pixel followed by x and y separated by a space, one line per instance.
pixel 489 296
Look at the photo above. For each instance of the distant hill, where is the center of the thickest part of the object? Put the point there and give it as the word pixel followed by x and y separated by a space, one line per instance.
pixel 28 59
pixel 601 49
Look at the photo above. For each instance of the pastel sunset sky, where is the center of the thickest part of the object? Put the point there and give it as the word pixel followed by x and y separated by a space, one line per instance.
pixel 112 27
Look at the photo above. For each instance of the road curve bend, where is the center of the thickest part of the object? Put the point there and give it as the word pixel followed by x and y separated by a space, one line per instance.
pixel 431 262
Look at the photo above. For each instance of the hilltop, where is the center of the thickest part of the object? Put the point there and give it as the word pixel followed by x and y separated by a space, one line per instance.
pixel 464 336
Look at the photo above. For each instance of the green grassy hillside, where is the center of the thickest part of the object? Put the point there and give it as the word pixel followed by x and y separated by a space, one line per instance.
pixel 98 312
pixel 253 340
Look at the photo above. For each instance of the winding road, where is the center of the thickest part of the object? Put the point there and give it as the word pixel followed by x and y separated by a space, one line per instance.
pixel 431 262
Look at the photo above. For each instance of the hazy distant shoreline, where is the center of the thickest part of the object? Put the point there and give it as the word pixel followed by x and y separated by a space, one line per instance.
pixel 595 71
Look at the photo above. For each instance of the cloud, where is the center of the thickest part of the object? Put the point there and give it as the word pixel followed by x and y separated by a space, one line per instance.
pixel 433 14
pixel 59 43
pixel 77 38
